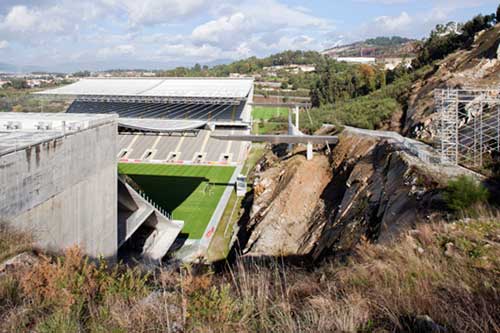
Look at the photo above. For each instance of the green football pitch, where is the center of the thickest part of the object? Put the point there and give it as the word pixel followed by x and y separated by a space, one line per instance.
pixel 190 192
pixel 266 112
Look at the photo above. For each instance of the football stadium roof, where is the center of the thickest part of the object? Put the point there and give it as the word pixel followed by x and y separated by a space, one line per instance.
pixel 201 90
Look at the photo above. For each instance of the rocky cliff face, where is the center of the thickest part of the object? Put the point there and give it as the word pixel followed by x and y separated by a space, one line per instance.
pixel 286 201
pixel 371 188
pixel 477 67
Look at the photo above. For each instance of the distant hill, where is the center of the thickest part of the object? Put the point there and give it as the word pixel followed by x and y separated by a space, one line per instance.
pixel 10 68
pixel 380 47
pixel 7 68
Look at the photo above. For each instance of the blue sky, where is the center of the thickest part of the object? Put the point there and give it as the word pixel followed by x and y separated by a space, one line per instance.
pixel 96 34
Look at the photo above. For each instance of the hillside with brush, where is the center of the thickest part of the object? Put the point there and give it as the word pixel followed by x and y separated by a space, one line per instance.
pixel 475 66
pixel 438 277
pixel 380 47
pixel 454 55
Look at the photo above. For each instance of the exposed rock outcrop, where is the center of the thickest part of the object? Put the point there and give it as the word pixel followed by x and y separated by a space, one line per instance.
pixel 285 204
pixel 382 190
pixel 374 187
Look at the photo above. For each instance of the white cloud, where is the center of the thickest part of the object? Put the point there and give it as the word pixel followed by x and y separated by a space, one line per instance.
pixel 257 27
pixel 20 19
pixel 119 50
pixel 32 22
pixel 189 51
pixel 393 23
pixel 157 11
pixel 68 31
pixel 214 31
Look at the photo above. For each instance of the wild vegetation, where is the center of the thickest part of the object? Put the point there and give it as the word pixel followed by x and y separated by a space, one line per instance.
pixel 445 39
pixel 365 98
pixel 387 41
pixel 250 65
pixel 16 97
pixel 438 277
pixel 464 193
pixel 254 65
pixel 369 111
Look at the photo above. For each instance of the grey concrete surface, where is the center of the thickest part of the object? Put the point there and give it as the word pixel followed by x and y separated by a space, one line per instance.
pixel 63 189
pixel 135 210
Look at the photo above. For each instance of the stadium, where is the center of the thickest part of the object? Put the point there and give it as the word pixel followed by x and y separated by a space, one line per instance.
pixel 165 143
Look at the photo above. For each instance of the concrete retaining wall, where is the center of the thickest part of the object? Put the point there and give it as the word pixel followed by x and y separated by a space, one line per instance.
pixel 65 191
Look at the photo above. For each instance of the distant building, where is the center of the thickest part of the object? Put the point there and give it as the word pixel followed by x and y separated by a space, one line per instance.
pixel 392 63
pixel 235 75
pixel 357 60
pixel 293 68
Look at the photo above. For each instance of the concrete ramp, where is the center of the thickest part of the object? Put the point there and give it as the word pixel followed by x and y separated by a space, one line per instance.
pixel 160 241
pixel 135 209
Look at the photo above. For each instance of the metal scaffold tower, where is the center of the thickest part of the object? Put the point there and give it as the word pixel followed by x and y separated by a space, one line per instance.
pixel 468 126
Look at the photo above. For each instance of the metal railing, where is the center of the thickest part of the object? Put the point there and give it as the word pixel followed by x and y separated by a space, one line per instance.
pixel 128 180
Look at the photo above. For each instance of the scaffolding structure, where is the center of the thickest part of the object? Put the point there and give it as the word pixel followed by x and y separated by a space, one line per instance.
pixel 468 126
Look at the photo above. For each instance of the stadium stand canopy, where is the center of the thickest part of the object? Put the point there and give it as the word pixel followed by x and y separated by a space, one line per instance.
pixel 197 90
pixel 163 125
pixel 169 120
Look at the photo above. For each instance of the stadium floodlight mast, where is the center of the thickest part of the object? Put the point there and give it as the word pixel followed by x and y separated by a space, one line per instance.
pixel 468 125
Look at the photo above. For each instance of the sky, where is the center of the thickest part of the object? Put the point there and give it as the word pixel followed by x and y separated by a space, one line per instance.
pixel 68 35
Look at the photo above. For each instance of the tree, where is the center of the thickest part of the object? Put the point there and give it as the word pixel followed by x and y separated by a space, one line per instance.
pixel 19 83
pixel 82 74
pixel 498 14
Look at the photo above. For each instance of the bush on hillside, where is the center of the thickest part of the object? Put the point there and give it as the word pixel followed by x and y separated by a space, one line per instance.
pixel 463 193
pixel 367 113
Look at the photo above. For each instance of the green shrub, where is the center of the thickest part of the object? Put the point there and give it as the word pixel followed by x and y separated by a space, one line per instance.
pixel 59 322
pixel 464 193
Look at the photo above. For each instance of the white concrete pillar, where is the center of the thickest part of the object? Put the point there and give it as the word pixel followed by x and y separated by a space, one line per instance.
pixel 297 117
pixel 309 154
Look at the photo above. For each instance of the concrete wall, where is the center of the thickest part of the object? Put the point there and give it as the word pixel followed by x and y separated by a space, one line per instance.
pixel 65 191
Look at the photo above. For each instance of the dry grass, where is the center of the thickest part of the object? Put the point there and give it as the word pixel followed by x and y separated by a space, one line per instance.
pixel 448 272
pixel 13 242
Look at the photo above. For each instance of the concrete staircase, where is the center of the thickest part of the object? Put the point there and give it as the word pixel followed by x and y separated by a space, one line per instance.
pixel 135 209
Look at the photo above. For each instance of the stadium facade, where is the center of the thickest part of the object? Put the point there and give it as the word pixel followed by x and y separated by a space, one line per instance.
pixel 169 122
